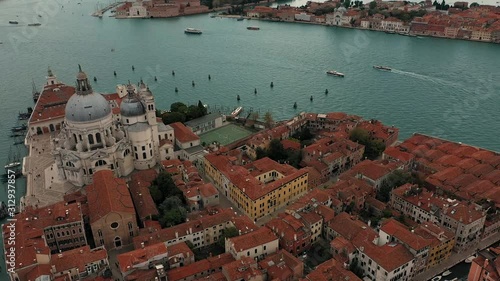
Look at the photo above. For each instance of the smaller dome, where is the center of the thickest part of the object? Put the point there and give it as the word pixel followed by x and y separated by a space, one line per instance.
pixel 146 92
pixel 132 106
pixel 81 75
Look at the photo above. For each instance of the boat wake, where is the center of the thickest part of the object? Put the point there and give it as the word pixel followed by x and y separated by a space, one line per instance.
pixel 434 80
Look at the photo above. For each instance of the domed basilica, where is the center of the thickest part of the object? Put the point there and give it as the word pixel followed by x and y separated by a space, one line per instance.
pixel 119 132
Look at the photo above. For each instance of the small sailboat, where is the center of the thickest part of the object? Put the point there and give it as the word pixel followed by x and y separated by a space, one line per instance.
pixel 326 92
pixel 295 105
pixel 176 90
pixel 114 73
pixel 272 84
pixel 311 98
pixel 192 83
pixel 209 78
pixel 156 79
pixel 133 68
pixel 238 98
pixel 173 73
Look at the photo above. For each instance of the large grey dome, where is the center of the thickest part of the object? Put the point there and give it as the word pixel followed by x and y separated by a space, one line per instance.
pixel 87 108
pixel 131 106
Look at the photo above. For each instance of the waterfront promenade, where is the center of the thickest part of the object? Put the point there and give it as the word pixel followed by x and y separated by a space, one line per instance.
pixel 457 258
pixel 42 185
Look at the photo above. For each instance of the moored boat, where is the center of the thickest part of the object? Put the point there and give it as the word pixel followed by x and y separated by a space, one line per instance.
pixel 12 165
pixel 13 22
pixel 19 128
pixel 190 30
pixel 446 273
pixel 240 19
pixel 34 24
pixel 382 67
pixel 335 73
pixel 253 28
pixel 237 111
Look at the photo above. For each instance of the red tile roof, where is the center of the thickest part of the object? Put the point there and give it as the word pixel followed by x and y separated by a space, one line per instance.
pixel 51 103
pixel 253 239
pixel 331 270
pixel 128 260
pixel 139 190
pixel 183 133
pixel 243 269
pixel 280 265
pixel 400 232
pixel 244 178
pixel 108 194
pixel 78 258
pixel 211 264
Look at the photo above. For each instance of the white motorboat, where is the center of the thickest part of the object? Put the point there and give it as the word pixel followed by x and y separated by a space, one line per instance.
pixel 335 73
pixel 192 31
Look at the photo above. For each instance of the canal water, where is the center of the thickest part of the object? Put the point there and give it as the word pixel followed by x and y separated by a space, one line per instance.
pixel 447 88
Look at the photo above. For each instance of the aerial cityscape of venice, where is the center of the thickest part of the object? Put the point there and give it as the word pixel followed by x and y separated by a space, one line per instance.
pixel 231 140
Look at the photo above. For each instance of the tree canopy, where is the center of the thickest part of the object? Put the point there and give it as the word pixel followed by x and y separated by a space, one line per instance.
pixel 396 179
pixel 179 112
pixel 373 148
pixel 227 233
pixel 278 153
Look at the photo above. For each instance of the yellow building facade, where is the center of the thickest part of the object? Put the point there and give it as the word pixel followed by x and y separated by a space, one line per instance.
pixel 259 188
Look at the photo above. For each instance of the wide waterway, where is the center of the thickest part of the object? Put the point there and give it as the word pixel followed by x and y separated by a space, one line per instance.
pixel 447 88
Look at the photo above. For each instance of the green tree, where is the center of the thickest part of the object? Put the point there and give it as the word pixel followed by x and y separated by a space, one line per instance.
pixel 194 112
pixel 276 151
pixel 268 119
pixel 227 233
pixel 202 108
pixel 178 107
pixel 166 185
pixel 373 148
pixel 347 3
pixel 173 217
pixel 260 153
pixel 373 5
pixel 172 117
pixel 474 4
pixel 294 158
pixel 396 179
pixel 156 194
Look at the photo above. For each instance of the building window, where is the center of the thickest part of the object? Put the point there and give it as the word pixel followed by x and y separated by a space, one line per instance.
pixel 98 138
pixel 100 163
pixel 144 155
pixel 143 147
pixel 91 139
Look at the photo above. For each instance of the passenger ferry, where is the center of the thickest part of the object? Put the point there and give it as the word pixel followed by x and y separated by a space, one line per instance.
pixel 382 67
pixel 335 73
pixel 253 28
pixel 192 31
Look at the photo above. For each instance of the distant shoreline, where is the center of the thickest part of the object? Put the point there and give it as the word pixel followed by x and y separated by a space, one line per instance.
pixel 349 27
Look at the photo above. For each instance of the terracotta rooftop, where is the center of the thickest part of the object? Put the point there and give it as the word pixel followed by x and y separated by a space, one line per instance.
pixel 78 258
pixel 243 269
pixel 139 190
pixel 213 264
pixel 253 239
pixel 128 260
pixel 108 194
pixel 400 232
pixel 245 180
pixel 331 270
pixel 51 103
pixel 280 265
pixel 183 133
